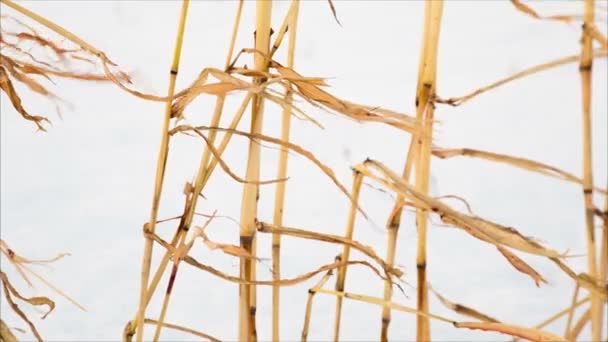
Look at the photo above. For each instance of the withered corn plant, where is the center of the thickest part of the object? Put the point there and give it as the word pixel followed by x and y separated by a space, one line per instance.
pixel 273 83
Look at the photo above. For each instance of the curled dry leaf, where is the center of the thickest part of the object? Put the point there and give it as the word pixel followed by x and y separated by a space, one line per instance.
pixel 478 227
pixel 522 163
pixel 296 148
pixel 8 290
pixel 584 280
pixel 521 265
pixel 227 169
pixel 333 11
pixel 310 235
pixel 520 6
pixel 512 330
pixel 7 87
pixel 280 282
pixel 457 101
pixel 464 310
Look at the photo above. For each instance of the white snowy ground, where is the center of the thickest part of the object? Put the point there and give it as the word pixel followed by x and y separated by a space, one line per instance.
pixel 85 186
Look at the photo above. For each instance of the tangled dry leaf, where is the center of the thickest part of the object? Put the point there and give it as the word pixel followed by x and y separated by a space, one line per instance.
pixel 513 330
pixel 520 6
pixel 522 163
pixel 478 227
pixel 521 265
pixel 463 310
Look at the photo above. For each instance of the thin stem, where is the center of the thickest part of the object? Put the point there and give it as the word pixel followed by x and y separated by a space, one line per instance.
pixel 311 295
pixel 249 203
pixel 379 301
pixel 281 174
pixel 205 169
pixel 348 234
pixel 425 115
pixel 160 173
pixel 571 311
pixel 163 311
pixel 586 63
pixel 392 226
pixel 603 265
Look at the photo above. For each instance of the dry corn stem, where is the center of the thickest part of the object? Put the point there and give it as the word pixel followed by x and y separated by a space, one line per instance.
pixel 348 234
pixel 425 92
pixel 249 202
pixel 282 173
pixel 585 70
pixel 160 174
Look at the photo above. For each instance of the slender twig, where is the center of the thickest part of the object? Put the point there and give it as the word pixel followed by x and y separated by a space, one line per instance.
pixel 425 93
pixel 249 202
pixel 282 173
pixel 571 312
pixel 311 294
pixel 160 173
pixel 348 234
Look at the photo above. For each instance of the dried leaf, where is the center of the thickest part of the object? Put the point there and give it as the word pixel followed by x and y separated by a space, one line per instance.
pixel 333 11
pixel 280 282
pixel 522 163
pixel 8 289
pixel 513 330
pixel 529 11
pixel 457 101
pixel 480 228
pixel 464 310
pixel 7 87
pixel 296 148
pixel 521 265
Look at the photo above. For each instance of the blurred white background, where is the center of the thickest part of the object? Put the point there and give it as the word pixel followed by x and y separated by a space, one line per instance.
pixel 85 187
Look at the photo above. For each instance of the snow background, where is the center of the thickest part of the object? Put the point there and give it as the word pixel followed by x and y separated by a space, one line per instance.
pixel 86 186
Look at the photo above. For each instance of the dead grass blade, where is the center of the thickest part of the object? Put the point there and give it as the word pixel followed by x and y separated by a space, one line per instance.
pixel 8 289
pixel 281 282
pixel 333 11
pixel 482 229
pixel 20 265
pixel 457 101
pixel 521 265
pixel 522 163
pixel 520 6
pixel 36 301
pixel 296 148
pixel 182 329
pixel 463 310
pixel 599 288
pixel 382 302
pixel 512 330
pixel 354 111
pixel 6 334
pixel 7 87
pixel 336 239
pixel 580 324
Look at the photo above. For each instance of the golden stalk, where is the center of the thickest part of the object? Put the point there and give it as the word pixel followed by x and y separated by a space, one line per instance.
pixel 425 93
pixel 586 63
pixel 350 226
pixel 603 264
pixel 247 293
pixel 561 313
pixel 571 311
pixel 311 295
pixel 381 302
pixel 160 174
pixel 392 226
pixel 281 174
pixel 202 175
